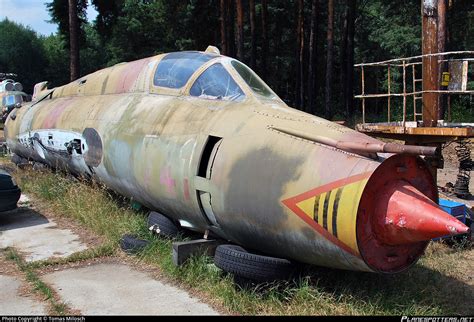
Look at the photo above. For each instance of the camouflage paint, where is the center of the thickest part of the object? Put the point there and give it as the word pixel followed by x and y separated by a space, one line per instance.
pixel 267 190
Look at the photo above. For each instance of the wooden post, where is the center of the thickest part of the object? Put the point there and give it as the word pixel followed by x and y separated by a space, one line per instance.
pixel 430 63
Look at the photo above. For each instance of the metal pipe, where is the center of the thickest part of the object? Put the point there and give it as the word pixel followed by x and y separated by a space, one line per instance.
pixel 364 147
pixel 467 52
pixel 404 95
pixel 415 93
pixel 363 93
pixel 414 89
pixel 388 85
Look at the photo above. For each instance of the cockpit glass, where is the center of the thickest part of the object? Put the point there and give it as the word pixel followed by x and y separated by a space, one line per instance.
pixel 253 81
pixel 175 69
pixel 216 83
pixel 11 100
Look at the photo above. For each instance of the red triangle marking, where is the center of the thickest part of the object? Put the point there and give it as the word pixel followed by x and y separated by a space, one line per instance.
pixel 292 202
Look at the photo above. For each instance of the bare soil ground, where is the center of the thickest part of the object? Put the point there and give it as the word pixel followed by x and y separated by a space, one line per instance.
pixel 449 174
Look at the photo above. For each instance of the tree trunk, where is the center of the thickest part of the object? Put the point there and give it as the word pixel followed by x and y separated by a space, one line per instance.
pixel 240 31
pixel 253 50
pixel 312 57
pixel 343 73
pixel 349 60
pixel 223 21
pixel 230 28
pixel 264 39
pixel 74 40
pixel 329 59
pixel 300 41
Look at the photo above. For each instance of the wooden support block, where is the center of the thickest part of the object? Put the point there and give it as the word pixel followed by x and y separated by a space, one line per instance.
pixel 184 250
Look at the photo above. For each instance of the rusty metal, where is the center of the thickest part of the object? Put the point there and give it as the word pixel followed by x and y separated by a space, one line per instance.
pixel 387 148
pixel 245 166
pixel 364 147
pixel 457 130
pixel 463 152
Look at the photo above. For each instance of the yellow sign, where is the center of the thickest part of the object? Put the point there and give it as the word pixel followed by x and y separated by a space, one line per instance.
pixel 446 77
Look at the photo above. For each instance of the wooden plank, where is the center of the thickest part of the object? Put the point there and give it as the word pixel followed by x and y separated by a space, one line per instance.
pixel 432 131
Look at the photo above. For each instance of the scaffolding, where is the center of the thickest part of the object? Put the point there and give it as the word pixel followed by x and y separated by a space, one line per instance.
pixel 426 125
pixel 457 72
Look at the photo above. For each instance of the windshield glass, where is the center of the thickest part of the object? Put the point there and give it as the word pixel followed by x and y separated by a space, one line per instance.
pixel 216 83
pixel 253 81
pixel 175 69
pixel 11 100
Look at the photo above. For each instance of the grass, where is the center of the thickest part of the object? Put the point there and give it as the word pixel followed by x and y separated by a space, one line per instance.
pixel 434 286
pixel 39 286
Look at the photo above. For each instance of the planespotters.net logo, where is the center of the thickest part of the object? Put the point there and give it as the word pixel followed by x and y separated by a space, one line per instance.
pixel 437 319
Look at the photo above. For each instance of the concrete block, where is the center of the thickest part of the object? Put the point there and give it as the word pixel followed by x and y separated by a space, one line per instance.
pixel 182 251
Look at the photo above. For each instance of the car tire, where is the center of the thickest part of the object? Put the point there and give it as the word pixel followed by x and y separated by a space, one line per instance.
pixel 236 260
pixel 161 225
pixel 132 245
pixel 9 199
pixel 17 160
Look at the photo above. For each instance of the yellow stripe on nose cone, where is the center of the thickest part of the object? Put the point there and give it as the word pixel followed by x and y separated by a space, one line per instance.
pixel 340 222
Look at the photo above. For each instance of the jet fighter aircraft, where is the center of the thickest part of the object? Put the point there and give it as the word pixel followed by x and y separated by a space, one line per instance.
pixel 202 139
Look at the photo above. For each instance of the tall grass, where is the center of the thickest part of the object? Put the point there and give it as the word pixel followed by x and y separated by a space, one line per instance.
pixel 432 287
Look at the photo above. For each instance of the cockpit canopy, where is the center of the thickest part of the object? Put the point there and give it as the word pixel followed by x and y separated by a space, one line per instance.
pixel 221 80
pixel 14 99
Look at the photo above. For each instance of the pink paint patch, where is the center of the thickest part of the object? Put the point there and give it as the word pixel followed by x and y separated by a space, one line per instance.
pixel 186 189
pixel 167 180
pixel 130 75
pixel 53 116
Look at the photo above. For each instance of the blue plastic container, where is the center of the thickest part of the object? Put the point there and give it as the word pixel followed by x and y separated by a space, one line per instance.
pixel 455 209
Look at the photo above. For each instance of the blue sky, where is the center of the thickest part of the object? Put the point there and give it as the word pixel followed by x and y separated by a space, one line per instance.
pixel 33 13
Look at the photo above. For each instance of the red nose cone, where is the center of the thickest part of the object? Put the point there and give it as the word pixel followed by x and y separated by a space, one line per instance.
pixel 405 215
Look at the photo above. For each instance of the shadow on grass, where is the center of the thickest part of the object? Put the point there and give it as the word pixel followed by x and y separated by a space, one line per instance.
pixel 417 290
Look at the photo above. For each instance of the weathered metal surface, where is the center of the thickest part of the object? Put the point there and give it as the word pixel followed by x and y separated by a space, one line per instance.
pixel 367 149
pixel 216 163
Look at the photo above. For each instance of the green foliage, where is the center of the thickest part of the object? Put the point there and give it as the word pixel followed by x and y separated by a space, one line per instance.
pixel 21 52
pixel 126 30
pixel 59 12
pixel 57 66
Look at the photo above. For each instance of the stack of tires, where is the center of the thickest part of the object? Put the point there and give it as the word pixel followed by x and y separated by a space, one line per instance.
pixel 9 192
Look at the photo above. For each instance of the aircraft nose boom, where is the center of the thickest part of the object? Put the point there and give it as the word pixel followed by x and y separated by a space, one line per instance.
pixel 411 217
